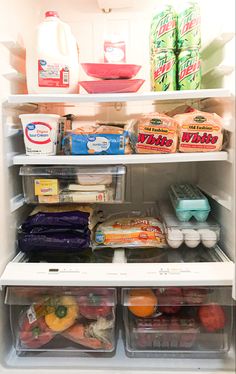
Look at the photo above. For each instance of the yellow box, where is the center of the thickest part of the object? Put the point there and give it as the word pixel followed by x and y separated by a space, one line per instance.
pixel 46 187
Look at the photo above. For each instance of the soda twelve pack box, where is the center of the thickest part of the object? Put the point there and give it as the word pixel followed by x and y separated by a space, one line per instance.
pixel 175 41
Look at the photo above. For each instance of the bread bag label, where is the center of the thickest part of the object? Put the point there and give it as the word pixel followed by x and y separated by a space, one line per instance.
pixel 200 136
pixel 156 138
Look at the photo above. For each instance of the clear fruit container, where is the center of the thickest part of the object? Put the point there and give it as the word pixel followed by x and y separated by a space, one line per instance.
pixel 177 321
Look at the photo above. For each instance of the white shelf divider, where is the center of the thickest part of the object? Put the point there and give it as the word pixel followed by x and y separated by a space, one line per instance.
pixel 120 159
pixel 118 97
pixel 119 274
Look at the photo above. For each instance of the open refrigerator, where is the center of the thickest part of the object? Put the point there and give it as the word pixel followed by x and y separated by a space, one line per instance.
pixel 212 271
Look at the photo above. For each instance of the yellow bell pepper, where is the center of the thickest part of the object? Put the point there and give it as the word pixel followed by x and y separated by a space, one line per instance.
pixel 64 314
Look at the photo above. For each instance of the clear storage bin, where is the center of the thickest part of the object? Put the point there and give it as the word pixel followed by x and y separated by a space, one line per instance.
pixel 69 320
pixel 177 322
pixel 191 233
pixel 73 184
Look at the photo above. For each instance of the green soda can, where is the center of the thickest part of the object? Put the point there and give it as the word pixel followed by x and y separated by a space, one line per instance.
pixel 189 27
pixel 189 70
pixel 163 33
pixel 163 70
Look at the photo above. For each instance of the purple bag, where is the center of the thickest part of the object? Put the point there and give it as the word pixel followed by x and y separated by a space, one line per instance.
pixel 60 241
pixel 72 220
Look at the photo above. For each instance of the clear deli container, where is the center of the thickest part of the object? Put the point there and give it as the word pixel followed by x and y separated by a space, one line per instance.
pixel 66 320
pixel 177 322
pixel 73 184
pixel 188 201
pixel 191 233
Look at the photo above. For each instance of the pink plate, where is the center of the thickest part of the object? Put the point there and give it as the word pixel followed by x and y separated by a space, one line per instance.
pixel 111 71
pixel 112 86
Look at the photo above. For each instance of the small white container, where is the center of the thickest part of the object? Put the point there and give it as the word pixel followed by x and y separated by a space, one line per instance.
pixel 40 133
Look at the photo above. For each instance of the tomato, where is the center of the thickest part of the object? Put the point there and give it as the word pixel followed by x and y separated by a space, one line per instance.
pixel 92 306
pixel 170 300
pixel 142 302
pixel 36 334
pixel 212 317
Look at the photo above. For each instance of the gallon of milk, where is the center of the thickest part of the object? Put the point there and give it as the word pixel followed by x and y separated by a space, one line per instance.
pixel 52 64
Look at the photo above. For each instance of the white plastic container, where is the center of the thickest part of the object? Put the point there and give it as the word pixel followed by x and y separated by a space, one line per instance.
pixel 40 133
pixel 52 64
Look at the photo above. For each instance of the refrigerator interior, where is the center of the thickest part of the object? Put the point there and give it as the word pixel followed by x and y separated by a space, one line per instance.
pixel 215 178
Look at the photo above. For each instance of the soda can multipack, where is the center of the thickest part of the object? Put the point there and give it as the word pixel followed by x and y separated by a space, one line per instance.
pixel 163 70
pixel 189 70
pixel 189 26
pixel 163 31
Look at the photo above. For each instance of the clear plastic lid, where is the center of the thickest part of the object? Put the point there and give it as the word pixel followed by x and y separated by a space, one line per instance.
pixel 176 296
pixel 86 296
pixel 61 171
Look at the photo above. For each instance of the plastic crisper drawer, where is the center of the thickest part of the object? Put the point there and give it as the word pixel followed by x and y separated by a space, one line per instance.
pixel 191 233
pixel 73 184
pixel 188 201
pixel 63 319
pixel 187 321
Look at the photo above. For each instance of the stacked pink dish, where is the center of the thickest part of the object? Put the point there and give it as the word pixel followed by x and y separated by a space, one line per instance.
pixel 114 78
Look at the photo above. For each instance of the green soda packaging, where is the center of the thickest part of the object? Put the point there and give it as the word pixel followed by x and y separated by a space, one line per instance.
pixel 189 26
pixel 163 70
pixel 163 31
pixel 189 70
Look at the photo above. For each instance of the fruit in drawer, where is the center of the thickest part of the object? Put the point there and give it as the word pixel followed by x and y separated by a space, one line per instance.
pixel 166 332
pixel 63 313
pixel 94 305
pixel 169 300
pixel 212 317
pixel 195 296
pixel 35 334
pixel 142 302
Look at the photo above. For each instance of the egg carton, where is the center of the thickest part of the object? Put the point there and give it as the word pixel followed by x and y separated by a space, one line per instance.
pixel 188 201
pixel 191 233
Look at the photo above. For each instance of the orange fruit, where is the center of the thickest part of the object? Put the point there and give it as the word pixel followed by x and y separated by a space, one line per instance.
pixel 142 302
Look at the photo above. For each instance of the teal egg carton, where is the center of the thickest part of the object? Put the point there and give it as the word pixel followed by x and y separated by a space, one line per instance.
pixel 188 201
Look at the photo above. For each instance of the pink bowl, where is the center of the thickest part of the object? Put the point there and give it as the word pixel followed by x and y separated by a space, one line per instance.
pixel 112 86
pixel 111 71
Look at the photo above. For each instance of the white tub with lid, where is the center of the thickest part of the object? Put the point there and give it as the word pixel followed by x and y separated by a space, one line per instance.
pixel 40 133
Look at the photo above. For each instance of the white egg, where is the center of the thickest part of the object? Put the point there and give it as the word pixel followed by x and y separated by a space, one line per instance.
pixel 209 237
pixel 192 238
pixel 174 238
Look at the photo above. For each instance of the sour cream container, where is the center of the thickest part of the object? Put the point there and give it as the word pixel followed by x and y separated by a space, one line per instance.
pixel 40 133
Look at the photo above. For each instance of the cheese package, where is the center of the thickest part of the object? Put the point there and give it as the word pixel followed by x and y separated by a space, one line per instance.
pixel 130 231
pixel 96 139
pixel 200 132
pixel 154 133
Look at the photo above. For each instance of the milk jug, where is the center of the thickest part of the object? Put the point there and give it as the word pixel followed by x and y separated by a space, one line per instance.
pixel 52 64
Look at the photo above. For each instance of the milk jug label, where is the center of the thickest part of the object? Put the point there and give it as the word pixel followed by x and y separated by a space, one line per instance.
pixel 53 74
pixel 38 133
